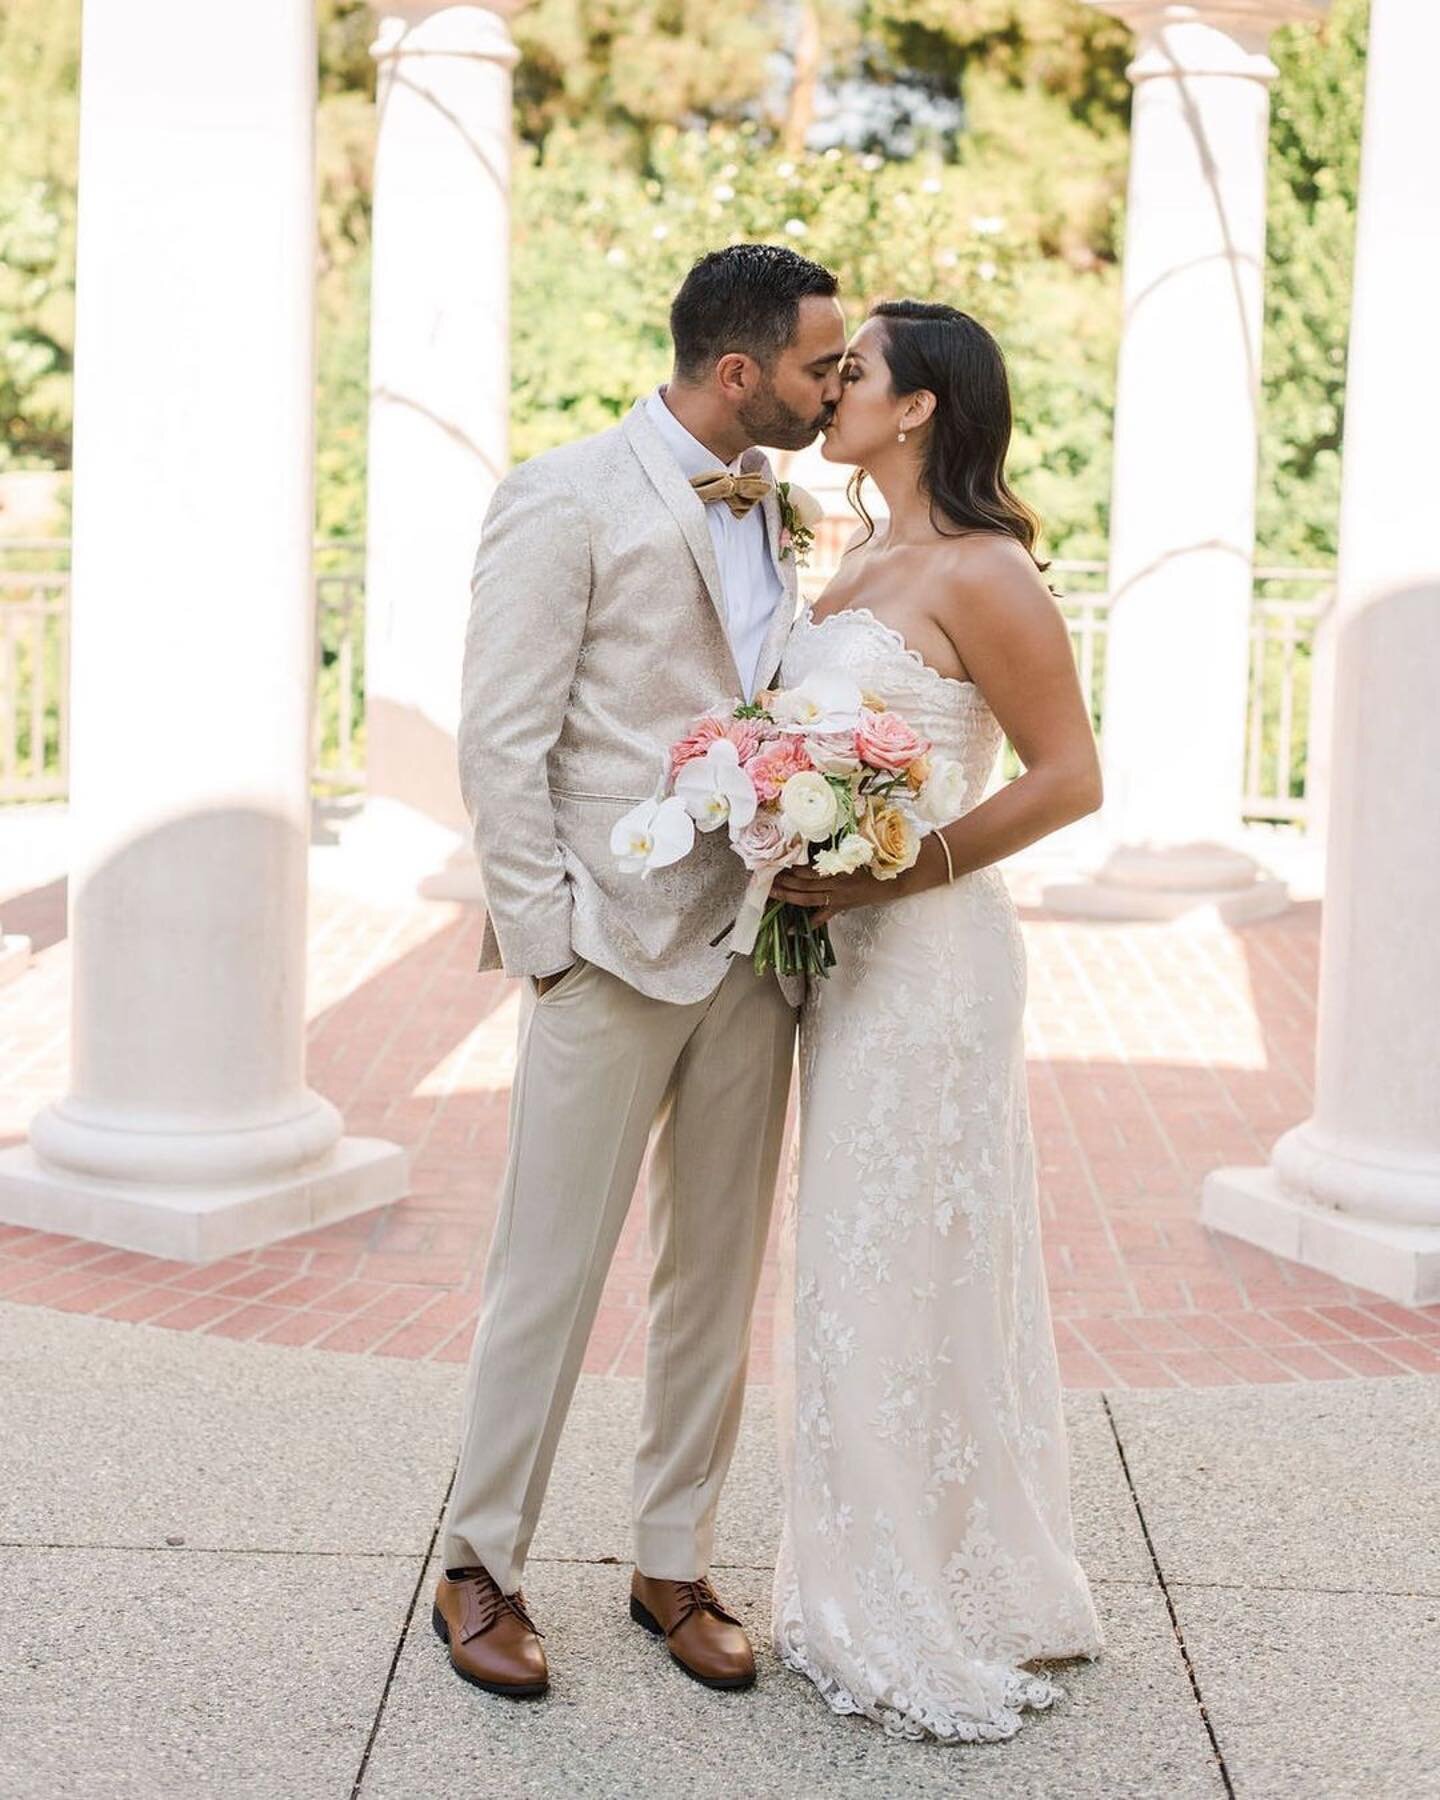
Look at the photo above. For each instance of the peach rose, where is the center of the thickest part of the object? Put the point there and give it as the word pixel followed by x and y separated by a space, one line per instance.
pixel 919 771
pixel 894 837
pixel 885 741
pixel 776 764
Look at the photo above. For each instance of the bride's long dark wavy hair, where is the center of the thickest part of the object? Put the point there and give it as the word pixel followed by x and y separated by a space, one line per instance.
pixel 952 355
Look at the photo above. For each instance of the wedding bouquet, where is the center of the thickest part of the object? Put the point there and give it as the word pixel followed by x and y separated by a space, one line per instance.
pixel 821 775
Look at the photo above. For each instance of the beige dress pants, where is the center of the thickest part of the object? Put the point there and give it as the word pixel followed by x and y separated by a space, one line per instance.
pixel 599 1063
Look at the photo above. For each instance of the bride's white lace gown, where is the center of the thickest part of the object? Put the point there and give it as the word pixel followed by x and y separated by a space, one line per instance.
pixel 928 1548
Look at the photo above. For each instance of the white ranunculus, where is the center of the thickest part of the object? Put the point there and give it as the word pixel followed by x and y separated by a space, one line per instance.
pixel 850 854
pixel 808 805
pixel 824 701
pixel 807 509
pixel 942 799
pixel 715 790
pixel 652 835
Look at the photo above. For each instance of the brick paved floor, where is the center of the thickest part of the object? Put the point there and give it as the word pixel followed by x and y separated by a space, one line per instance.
pixel 1157 1053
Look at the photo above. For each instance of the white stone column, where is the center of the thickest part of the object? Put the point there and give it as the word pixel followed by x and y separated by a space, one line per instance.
pixel 188 1129
pixel 1355 1190
pixel 1182 520
pixel 439 407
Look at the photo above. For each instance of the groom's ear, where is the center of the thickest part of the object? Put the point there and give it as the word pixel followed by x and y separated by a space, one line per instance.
pixel 736 375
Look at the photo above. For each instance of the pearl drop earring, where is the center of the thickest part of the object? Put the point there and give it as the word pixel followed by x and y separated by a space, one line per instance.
pixel 901 438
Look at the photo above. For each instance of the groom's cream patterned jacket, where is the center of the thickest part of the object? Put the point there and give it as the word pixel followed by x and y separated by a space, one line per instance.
pixel 596 637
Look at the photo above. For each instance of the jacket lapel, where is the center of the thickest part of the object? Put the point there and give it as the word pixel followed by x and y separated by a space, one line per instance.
pixel 684 507
pixel 787 605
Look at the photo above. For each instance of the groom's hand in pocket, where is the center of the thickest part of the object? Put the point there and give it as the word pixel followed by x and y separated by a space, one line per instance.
pixel 543 983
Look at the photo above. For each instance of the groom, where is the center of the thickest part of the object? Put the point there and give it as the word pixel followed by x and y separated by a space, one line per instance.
pixel 624 586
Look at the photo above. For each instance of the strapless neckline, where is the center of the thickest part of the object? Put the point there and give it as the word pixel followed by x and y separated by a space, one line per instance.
pixel 896 638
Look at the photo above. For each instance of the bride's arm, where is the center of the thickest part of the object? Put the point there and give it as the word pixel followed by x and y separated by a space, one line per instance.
pixel 1013 642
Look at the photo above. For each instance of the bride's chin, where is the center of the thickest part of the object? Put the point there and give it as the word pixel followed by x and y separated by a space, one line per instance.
pixel 832 449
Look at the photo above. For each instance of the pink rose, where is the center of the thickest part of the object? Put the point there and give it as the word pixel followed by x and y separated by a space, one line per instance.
pixel 770 770
pixel 787 539
pixel 744 734
pixel 765 844
pixel 885 741
pixel 833 752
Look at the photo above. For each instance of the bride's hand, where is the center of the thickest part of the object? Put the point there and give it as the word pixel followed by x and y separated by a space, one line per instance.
pixel 825 896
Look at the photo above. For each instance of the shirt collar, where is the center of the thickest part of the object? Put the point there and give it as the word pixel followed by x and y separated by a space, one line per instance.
pixel 688 451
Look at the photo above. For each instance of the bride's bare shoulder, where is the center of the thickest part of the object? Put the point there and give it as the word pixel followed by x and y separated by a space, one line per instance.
pixel 990 568
pixel 985 556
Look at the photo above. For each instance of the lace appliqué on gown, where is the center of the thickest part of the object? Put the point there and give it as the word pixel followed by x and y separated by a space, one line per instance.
pixel 928 1549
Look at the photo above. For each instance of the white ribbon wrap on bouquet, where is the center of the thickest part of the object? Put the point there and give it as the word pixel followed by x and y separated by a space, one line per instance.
pixel 752 910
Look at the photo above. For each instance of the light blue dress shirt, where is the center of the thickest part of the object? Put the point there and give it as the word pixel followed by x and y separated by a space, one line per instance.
pixel 749 581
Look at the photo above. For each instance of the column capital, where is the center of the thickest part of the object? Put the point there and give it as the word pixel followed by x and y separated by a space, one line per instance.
pixel 1206 37
pixel 445 28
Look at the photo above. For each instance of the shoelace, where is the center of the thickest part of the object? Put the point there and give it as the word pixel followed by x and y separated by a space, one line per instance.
pixel 487 1604
pixel 697 1596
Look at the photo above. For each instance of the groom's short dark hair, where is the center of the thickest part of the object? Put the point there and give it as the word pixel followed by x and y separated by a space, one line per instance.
pixel 745 297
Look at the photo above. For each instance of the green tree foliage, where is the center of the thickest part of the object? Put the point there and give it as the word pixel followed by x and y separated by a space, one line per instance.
pixel 607 253
pixel 623 68
pixel 1317 112
pixel 344 153
pixel 39 56
pixel 1051 47
pixel 978 155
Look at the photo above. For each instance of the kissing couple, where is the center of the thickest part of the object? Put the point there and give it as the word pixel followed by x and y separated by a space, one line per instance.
pixel 927 1572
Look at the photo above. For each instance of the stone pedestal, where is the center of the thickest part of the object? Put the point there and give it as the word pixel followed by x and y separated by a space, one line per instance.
pixel 439 411
pixel 1182 526
pixel 188 1129
pixel 1355 1190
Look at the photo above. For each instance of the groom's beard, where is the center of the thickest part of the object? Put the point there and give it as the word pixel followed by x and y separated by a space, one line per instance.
pixel 767 420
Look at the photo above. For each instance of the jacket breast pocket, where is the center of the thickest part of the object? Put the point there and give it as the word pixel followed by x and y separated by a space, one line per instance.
pixel 602 799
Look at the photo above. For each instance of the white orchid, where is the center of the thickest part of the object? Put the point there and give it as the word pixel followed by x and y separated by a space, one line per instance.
pixel 824 701
pixel 652 835
pixel 715 790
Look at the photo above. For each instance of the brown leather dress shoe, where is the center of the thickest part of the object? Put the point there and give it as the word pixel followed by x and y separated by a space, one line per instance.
pixel 493 1643
pixel 707 1642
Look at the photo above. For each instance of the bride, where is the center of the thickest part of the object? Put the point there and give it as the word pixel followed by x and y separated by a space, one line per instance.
pixel 927 1561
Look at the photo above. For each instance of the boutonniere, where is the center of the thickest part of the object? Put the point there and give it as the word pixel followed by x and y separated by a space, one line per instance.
pixel 800 514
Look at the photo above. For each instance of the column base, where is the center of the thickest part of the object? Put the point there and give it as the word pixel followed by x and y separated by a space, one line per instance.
pixel 14 957
pixel 1401 1262
pixel 204 1222
pixel 1145 884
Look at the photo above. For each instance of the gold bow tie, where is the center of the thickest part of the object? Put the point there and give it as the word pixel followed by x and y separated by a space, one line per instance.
pixel 739 492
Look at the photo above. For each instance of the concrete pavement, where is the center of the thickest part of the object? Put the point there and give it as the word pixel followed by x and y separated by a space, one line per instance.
pixel 217 1560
